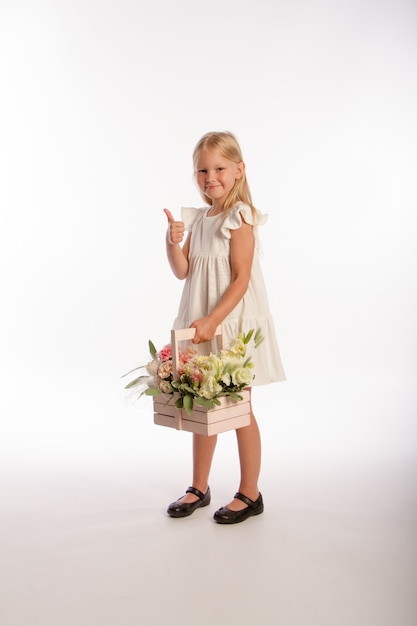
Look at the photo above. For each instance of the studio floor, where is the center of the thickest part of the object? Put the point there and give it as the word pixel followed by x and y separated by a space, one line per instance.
pixel 85 540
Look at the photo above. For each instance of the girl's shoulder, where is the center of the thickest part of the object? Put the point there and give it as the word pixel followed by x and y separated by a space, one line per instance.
pixel 239 213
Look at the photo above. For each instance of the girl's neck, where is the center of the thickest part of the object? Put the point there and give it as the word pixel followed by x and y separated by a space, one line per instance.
pixel 212 213
pixel 215 209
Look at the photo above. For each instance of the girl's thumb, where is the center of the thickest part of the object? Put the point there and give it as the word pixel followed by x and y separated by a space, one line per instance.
pixel 169 216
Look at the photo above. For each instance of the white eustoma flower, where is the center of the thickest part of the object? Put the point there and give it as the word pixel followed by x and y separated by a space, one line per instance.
pixel 242 376
pixel 209 389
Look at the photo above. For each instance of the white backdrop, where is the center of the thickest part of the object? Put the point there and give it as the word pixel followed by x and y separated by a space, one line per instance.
pixel 101 106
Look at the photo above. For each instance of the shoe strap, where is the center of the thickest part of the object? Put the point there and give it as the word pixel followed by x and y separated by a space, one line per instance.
pixel 196 492
pixel 246 500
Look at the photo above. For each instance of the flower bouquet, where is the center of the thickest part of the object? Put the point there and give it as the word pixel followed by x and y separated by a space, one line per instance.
pixel 198 392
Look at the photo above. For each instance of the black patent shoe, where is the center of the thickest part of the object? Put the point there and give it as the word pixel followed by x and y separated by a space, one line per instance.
pixel 227 516
pixel 183 509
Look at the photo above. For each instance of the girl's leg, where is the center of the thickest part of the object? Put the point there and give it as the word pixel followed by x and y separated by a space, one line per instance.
pixel 203 450
pixel 249 444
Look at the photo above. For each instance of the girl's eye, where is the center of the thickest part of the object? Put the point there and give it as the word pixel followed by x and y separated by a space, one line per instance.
pixel 220 169
pixel 202 171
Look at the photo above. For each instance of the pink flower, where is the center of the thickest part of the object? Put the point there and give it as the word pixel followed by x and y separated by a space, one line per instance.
pixel 196 376
pixel 165 353
pixel 165 387
pixel 186 356
pixel 165 369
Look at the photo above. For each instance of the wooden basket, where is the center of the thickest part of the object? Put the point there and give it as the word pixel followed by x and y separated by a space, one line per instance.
pixel 230 415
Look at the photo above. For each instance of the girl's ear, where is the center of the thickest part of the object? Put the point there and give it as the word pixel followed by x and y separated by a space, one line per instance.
pixel 240 170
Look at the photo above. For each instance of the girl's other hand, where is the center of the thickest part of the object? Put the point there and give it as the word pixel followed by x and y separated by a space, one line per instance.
pixel 204 329
pixel 176 230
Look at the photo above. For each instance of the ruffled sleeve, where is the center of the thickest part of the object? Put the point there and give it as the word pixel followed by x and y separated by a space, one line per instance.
pixel 188 216
pixel 233 219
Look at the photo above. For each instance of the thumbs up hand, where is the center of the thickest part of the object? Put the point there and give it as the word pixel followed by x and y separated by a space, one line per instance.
pixel 175 232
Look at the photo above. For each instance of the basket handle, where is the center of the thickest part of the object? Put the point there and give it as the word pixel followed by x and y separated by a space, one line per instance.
pixel 182 334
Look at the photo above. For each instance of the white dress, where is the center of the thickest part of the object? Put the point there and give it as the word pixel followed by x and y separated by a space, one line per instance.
pixel 209 276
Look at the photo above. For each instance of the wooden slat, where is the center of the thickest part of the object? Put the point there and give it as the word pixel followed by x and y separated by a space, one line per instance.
pixel 217 427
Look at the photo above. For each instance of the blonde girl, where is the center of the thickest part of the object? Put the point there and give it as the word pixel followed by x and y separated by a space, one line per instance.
pixel 223 285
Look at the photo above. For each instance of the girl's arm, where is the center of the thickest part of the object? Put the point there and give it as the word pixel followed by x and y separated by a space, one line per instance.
pixel 242 247
pixel 177 256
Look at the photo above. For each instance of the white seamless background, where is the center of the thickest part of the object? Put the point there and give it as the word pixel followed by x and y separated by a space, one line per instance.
pixel 101 106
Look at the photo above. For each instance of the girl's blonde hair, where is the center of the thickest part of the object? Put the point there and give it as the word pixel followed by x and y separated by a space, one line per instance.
pixel 228 146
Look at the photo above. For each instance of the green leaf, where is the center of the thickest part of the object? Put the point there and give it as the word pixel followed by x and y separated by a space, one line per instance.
pixel 136 381
pixel 188 404
pixel 179 403
pixel 258 339
pixel 235 396
pixel 248 336
pixel 201 401
pixel 152 350
pixel 216 401
pixel 134 370
pixel 152 391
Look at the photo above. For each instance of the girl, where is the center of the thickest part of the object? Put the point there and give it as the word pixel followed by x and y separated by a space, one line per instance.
pixel 223 285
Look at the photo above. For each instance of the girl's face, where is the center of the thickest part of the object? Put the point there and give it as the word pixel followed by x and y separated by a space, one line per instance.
pixel 216 175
